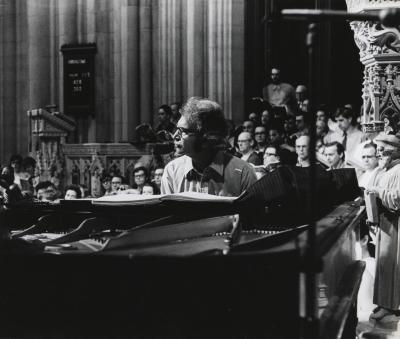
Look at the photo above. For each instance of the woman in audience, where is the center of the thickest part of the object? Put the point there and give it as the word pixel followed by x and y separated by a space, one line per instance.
pixel 72 192
pixel 106 184
pixel 150 188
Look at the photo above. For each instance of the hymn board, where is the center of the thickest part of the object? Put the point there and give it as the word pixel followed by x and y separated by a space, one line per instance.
pixel 79 79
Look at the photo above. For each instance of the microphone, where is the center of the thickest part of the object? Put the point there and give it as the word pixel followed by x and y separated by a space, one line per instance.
pixel 389 17
pixel 327 14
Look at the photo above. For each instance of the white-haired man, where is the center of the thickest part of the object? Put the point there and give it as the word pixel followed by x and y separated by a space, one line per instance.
pixel 387 277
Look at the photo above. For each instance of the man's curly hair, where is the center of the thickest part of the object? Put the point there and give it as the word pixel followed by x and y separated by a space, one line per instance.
pixel 205 116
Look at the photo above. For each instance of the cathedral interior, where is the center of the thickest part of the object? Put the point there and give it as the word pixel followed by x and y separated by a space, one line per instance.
pixel 83 87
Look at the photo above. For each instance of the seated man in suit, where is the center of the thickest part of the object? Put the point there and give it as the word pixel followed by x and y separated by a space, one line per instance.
pixel 246 143
pixel 205 167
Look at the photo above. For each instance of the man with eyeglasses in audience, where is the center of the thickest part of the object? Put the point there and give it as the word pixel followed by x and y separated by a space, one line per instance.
pixel 158 173
pixel 116 182
pixel 245 144
pixel 387 277
pixel 140 176
pixel 260 135
pixel 205 167
pixel 370 163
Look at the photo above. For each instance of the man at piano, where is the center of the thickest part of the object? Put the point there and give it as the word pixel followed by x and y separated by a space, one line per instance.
pixel 205 167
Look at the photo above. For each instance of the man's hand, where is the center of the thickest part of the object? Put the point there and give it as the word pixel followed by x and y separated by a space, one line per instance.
pixel 373 229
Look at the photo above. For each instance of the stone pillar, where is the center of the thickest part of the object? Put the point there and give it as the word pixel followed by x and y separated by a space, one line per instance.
pixel 379 52
pixel 196 25
pixel 226 55
pixel 171 47
pixel 8 117
pixel 39 56
pixel 145 58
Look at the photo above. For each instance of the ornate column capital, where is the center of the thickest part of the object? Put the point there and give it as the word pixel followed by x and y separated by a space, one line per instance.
pixel 356 6
pixel 380 53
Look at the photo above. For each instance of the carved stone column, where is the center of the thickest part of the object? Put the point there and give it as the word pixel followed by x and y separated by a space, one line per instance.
pixel 48 133
pixel 380 54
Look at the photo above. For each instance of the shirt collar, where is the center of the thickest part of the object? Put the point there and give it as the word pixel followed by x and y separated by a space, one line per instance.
pixel 217 164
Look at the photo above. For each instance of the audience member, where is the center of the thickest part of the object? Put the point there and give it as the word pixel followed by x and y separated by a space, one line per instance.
pixel 116 182
pixel 289 130
pixel 334 153
pixel 320 115
pixel 301 125
pixel 278 93
pixel 164 118
pixel 248 126
pixel 267 118
pixel 72 192
pixel 140 176
pixel 301 97
pixel 106 184
pixel 46 191
pixel 324 133
pixel 260 136
pixel 370 162
pixel 254 118
pixel 158 173
pixel 246 144
pixel 302 150
pixel 176 112
pixel 272 158
pixel 150 189
pixel 350 136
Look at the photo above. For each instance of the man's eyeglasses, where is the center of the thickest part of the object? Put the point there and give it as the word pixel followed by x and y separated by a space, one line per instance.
pixel 387 153
pixel 368 156
pixel 269 154
pixel 139 175
pixel 245 140
pixel 259 133
pixel 181 131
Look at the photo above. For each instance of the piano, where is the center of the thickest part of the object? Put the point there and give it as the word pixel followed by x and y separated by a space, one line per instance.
pixel 177 269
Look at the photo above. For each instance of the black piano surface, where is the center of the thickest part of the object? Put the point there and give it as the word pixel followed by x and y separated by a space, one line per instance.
pixel 194 287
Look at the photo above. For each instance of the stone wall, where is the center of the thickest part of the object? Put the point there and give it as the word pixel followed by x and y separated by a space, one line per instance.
pixel 149 52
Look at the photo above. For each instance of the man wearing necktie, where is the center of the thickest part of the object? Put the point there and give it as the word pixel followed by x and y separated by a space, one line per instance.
pixel 349 135
pixel 205 167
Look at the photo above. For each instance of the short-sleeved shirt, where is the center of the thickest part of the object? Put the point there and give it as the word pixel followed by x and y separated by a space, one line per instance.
pixel 227 175
pixel 279 94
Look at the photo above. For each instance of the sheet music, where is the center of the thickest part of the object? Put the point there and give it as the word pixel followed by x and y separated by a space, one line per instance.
pixel 133 199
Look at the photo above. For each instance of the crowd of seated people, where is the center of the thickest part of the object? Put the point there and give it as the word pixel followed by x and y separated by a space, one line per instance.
pixel 275 132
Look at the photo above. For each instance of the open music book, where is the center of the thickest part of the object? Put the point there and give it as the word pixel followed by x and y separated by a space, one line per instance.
pixel 136 199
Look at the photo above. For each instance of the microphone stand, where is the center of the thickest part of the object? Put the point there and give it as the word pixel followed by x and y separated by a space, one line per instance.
pixel 310 329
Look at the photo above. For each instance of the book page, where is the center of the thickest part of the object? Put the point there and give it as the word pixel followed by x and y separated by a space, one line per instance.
pixel 127 199
pixel 138 199
pixel 196 196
